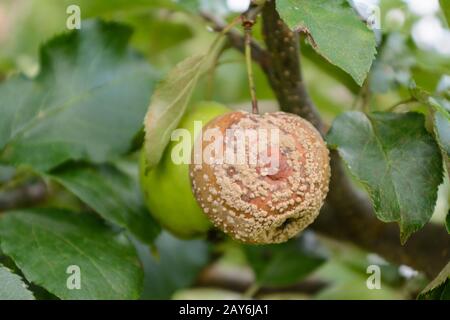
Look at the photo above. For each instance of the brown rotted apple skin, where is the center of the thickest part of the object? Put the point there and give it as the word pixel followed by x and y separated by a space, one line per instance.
pixel 253 205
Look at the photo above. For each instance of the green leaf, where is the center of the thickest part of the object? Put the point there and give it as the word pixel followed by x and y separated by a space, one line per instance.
pixel 441 115
pixel 335 31
pixel 87 102
pixel 45 243
pixel 279 265
pixel 447 222
pixel 170 101
pixel 396 160
pixel 445 5
pixel 112 193
pixel 441 119
pixel 439 288
pixel 329 70
pixel 167 107
pixel 175 265
pixel 12 286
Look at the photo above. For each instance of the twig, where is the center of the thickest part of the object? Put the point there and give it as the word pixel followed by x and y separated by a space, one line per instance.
pixel 237 40
pixel 363 96
pixel 248 21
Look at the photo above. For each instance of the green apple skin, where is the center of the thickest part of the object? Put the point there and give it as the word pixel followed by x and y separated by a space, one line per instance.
pixel 167 187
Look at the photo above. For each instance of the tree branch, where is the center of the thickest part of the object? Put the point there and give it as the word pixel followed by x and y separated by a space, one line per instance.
pixel 347 214
pixel 284 73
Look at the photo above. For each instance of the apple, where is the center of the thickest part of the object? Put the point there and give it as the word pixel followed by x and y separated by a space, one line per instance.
pixel 262 190
pixel 167 188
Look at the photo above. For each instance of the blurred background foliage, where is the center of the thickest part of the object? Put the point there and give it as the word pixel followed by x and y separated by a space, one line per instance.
pixel 413 45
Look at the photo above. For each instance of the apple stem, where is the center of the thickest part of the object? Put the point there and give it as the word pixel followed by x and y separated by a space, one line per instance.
pixel 247 22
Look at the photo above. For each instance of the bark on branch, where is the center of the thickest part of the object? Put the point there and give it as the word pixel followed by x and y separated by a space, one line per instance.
pixel 347 214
